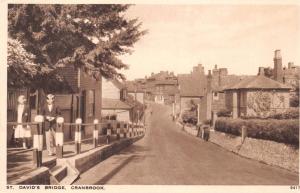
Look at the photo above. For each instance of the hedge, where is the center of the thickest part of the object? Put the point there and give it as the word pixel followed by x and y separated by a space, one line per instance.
pixel 283 131
pixel 189 117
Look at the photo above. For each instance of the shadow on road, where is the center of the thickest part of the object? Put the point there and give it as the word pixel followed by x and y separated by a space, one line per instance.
pixel 107 177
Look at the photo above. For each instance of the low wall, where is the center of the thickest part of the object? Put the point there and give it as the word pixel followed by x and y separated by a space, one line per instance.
pixel 269 152
pixel 86 160
pixel 227 141
pixel 37 177
pixel 190 130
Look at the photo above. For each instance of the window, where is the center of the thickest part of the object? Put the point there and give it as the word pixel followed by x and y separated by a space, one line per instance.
pixel 215 96
pixel 123 94
pixel 91 103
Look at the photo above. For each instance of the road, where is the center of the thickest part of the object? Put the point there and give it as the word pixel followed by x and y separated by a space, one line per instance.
pixel 169 156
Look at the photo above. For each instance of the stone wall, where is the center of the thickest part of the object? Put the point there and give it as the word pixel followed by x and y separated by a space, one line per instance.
pixel 264 103
pixel 258 103
pixel 269 152
pixel 227 141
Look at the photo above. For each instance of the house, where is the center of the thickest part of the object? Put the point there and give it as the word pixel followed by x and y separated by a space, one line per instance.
pixel 257 96
pixel 77 98
pixel 165 91
pixel 160 88
pixel 192 91
pixel 114 100
pixel 218 79
pixel 136 89
pixel 82 98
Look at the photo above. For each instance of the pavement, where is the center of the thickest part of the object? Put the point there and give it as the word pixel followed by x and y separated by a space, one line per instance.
pixel 20 161
pixel 169 156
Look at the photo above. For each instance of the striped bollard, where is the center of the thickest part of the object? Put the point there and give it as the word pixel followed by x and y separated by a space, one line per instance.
pixel 78 123
pixel 59 137
pixel 108 133
pixel 38 141
pixel 95 133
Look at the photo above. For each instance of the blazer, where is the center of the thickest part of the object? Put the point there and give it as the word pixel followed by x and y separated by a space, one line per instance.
pixel 25 114
pixel 53 113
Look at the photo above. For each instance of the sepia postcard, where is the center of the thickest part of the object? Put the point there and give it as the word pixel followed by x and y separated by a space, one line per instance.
pixel 133 96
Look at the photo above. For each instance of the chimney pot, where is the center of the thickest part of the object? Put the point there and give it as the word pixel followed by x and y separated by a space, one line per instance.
pixel 277 54
pixel 209 72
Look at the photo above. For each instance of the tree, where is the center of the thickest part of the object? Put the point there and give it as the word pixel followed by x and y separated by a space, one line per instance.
pixel 87 36
pixel 21 66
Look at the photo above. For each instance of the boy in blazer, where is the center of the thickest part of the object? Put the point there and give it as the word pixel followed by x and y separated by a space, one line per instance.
pixel 50 112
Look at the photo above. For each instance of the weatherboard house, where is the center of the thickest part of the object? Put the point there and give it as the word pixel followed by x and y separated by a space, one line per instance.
pixel 257 96
pixel 114 100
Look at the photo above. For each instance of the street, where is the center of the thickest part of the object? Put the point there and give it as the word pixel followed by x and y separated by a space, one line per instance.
pixel 169 156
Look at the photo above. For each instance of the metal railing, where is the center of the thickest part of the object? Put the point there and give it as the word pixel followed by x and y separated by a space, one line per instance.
pixel 107 129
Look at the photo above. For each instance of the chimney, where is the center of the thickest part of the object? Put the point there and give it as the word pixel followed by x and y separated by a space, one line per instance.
pixel 209 81
pixel 290 65
pixel 261 71
pixel 278 66
pixel 216 66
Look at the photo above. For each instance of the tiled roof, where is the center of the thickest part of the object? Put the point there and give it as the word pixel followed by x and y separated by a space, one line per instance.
pixel 191 86
pixel 114 104
pixel 132 86
pixel 166 82
pixel 257 82
pixel 228 81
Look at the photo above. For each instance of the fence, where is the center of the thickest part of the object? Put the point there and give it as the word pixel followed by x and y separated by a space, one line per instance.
pixel 106 129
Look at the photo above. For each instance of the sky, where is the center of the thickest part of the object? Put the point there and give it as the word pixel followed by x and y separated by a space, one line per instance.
pixel 238 37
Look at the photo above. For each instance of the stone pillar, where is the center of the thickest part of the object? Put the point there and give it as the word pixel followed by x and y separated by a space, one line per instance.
pixel 244 133
pixel 95 133
pixel 173 110
pixel 198 114
pixel 214 118
pixel 234 105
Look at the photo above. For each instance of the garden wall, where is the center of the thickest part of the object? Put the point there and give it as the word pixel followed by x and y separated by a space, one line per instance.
pixel 269 152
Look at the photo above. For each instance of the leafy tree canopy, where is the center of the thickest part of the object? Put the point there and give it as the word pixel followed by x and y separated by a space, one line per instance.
pixel 21 66
pixel 88 36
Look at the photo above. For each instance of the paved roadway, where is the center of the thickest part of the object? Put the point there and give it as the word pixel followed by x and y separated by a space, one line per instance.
pixel 169 156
